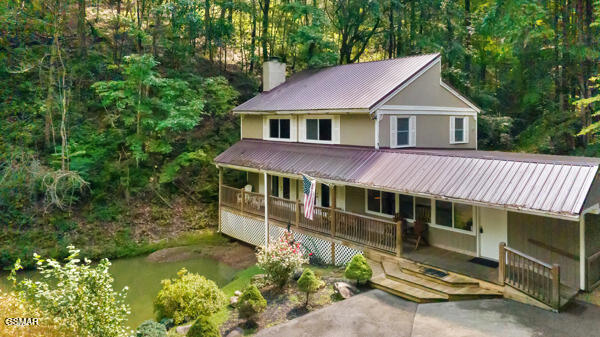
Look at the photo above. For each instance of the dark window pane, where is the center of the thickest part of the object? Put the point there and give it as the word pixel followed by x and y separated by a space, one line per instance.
pixel 443 213
pixel 459 123
pixel 423 209
pixel 275 186
pixel 402 124
pixel 284 128
pixel 406 206
pixel 324 129
pixel 324 195
pixel 312 129
pixel 373 199
pixel 458 135
pixel 286 188
pixel 274 128
pixel 463 217
pixel 388 203
pixel 402 138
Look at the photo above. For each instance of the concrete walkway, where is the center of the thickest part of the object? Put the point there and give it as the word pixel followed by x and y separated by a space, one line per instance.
pixel 376 313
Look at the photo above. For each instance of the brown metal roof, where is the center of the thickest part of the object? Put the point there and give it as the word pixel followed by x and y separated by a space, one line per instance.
pixel 350 86
pixel 543 183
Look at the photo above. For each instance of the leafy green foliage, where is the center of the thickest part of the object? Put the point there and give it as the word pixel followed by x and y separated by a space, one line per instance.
pixel 309 283
pixel 358 269
pixel 78 295
pixel 187 297
pixel 151 328
pixel 281 259
pixel 251 303
pixel 204 327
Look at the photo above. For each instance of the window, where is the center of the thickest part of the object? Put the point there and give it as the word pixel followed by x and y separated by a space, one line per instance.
pixel 423 209
pixel 406 204
pixel 380 202
pixel 325 195
pixel 279 128
pixel 318 129
pixel 454 215
pixel 275 186
pixel 459 130
pixel 286 188
pixel 403 131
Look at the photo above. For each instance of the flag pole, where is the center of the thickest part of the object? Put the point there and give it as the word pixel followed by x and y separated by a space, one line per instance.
pixel 266 211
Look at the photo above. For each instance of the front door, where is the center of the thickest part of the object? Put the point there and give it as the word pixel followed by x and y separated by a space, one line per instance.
pixel 492 231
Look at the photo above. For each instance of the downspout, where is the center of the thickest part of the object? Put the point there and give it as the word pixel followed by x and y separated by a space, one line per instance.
pixel 595 209
pixel 377 117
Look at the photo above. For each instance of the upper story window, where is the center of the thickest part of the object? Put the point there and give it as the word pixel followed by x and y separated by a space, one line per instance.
pixel 459 130
pixel 320 129
pixel 403 131
pixel 380 202
pixel 279 128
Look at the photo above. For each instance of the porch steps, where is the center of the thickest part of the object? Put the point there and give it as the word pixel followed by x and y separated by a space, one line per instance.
pixel 407 279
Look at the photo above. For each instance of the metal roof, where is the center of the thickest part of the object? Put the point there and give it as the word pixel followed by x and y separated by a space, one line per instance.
pixel 539 183
pixel 350 86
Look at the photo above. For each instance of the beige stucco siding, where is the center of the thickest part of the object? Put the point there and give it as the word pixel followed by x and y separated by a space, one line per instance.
pixel 357 129
pixel 446 239
pixel 549 240
pixel 433 131
pixel 427 91
pixel 252 126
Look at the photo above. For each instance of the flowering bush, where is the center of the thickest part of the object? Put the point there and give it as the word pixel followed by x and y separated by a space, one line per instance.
pixel 281 259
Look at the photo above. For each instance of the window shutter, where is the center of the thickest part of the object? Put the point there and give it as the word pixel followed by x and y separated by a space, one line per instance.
pixel 452 129
pixel 393 131
pixel 302 129
pixel 412 122
pixel 335 126
pixel 293 128
pixel 265 127
pixel 466 129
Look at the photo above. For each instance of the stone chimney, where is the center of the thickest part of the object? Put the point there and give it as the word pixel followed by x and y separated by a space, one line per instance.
pixel 273 74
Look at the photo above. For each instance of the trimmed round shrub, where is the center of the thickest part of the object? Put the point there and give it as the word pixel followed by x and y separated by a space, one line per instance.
pixel 251 303
pixel 308 283
pixel 151 328
pixel 358 269
pixel 204 327
pixel 188 297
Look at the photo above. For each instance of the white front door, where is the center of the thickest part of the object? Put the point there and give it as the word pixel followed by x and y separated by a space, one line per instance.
pixel 492 231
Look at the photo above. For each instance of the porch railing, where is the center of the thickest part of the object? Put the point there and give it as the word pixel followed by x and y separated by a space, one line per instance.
pixel 537 279
pixel 362 230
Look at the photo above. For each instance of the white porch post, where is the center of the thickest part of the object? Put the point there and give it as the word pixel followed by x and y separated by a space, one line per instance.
pixel 377 130
pixel 266 210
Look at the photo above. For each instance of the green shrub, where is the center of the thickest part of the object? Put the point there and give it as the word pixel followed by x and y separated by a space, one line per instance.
pixel 251 303
pixel 188 297
pixel 151 328
pixel 281 259
pixel 358 269
pixel 203 327
pixel 308 283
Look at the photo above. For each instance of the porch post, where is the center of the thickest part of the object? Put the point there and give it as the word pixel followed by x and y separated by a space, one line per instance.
pixel 556 286
pixel 501 262
pixel 297 212
pixel 333 220
pixel 399 238
pixel 220 196
pixel 266 197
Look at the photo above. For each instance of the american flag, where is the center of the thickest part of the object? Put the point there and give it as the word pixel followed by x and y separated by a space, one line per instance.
pixel 309 197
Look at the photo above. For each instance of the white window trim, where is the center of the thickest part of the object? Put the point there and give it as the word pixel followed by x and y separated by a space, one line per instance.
pixel 465 139
pixel 335 129
pixel 293 128
pixel 391 216
pixel 412 131
pixel 472 232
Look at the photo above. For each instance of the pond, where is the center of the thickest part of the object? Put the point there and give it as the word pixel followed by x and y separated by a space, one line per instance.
pixel 143 279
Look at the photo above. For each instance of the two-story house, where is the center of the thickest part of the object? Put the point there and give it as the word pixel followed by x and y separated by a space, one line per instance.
pixel 391 145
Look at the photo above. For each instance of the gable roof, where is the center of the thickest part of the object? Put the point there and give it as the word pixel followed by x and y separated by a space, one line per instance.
pixel 357 86
pixel 538 184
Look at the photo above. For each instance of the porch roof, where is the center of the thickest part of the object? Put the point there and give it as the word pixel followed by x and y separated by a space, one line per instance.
pixel 539 183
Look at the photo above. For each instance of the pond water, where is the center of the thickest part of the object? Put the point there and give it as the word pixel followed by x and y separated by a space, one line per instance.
pixel 143 279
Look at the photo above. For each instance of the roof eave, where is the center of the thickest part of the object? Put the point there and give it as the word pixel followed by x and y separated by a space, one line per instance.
pixel 304 111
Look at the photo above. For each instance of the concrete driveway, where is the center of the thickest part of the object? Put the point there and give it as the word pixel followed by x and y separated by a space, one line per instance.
pixel 376 313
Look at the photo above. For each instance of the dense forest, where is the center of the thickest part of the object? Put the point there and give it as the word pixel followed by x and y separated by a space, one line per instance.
pixel 112 110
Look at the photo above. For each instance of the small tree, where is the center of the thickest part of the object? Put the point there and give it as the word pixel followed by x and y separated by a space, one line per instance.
pixel 281 259
pixel 151 328
pixel 204 327
pixel 251 303
pixel 77 295
pixel 358 269
pixel 308 283
pixel 188 297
